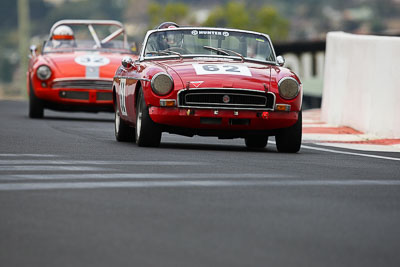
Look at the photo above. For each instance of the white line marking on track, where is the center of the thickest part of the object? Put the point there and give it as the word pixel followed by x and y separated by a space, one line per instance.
pixel 98 162
pixel 49 168
pixel 208 183
pixel 29 155
pixel 363 147
pixel 350 153
pixel 82 176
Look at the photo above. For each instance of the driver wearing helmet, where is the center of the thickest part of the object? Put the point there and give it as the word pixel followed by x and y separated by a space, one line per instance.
pixel 63 36
pixel 167 40
pixel 171 40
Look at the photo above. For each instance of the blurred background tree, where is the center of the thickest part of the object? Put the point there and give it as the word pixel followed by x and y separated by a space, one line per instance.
pixel 176 12
pixel 264 19
pixel 231 15
pixel 268 20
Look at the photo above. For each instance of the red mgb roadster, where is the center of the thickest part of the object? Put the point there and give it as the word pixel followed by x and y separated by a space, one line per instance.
pixel 75 70
pixel 209 82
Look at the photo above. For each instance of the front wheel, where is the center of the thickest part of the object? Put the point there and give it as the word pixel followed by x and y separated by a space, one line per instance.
pixel 123 133
pixel 148 133
pixel 289 139
pixel 36 110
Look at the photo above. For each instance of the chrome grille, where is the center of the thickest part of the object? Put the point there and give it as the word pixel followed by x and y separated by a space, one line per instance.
pixel 226 98
pixel 83 84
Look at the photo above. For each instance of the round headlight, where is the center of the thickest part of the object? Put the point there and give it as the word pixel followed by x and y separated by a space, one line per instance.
pixel 162 83
pixel 43 72
pixel 288 88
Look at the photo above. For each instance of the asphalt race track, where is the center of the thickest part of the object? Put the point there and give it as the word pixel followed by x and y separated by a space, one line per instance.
pixel 70 195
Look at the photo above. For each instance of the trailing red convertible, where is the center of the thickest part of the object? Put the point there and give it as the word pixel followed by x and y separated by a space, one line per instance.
pixel 75 70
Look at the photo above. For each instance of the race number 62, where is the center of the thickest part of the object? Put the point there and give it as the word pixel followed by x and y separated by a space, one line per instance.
pixel 232 69
pixel 122 94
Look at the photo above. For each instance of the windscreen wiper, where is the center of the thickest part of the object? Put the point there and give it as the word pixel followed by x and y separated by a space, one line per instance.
pixel 224 51
pixel 165 52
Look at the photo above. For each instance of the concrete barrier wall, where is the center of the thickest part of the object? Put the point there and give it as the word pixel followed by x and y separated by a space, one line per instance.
pixel 362 83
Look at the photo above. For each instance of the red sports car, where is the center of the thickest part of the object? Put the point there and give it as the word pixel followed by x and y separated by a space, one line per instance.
pixel 210 82
pixel 75 70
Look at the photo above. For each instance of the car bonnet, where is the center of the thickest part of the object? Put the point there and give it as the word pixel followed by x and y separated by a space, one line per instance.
pixel 83 64
pixel 221 74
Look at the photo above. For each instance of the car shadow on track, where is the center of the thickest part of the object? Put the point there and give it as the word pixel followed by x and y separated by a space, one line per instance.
pixel 57 118
pixel 215 147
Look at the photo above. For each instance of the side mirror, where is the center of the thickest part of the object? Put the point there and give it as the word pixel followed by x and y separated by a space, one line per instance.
pixel 128 63
pixel 33 49
pixel 280 60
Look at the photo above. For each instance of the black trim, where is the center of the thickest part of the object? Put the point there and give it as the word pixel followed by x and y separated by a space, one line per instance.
pixel 78 108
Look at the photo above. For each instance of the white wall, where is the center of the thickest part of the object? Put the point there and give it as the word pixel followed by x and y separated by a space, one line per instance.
pixel 362 83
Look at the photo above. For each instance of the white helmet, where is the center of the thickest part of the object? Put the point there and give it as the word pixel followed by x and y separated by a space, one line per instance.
pixel 63 32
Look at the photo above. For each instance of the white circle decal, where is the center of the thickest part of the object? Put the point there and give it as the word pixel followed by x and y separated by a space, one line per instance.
pixel 92 60
pixel 195 32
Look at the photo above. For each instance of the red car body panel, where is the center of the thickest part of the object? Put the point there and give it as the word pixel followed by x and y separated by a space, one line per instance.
pixel 64 67
pixel 181 118
pixel 260 74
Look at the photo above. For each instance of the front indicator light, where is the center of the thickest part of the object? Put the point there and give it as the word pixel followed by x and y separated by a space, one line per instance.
pixel 167 102
pixel 282 107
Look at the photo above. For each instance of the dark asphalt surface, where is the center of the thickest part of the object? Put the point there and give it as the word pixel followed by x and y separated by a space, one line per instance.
pixel 70 195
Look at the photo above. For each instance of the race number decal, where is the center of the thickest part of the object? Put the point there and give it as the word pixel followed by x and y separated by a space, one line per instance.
pixel 92 60
pixel 231 69
pixel 122 95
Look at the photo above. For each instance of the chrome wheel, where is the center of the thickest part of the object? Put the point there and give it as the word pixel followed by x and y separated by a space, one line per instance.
pixel 139 117
pixel 123 132
pixel 148 133
pixel 117 121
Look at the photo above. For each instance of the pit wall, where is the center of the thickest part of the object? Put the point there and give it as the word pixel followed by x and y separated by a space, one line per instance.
pixel 362 83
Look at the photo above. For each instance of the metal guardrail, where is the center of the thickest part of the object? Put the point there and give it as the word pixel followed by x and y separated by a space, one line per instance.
pixel 299 47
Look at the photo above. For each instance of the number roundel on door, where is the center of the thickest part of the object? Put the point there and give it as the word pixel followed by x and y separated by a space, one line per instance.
pixel 122 96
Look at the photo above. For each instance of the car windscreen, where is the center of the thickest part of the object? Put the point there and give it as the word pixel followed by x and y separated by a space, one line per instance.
pixel 83 45
pixel 88 38
pixel 209 42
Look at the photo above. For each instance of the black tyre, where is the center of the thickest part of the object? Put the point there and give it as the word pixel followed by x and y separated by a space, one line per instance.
pixel 289 139
pixel 256 142
pixel 148 133
pixel 36 110
pixel 123 132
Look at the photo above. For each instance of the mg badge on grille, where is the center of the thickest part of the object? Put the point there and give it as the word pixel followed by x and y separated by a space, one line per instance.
pixel 226 99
